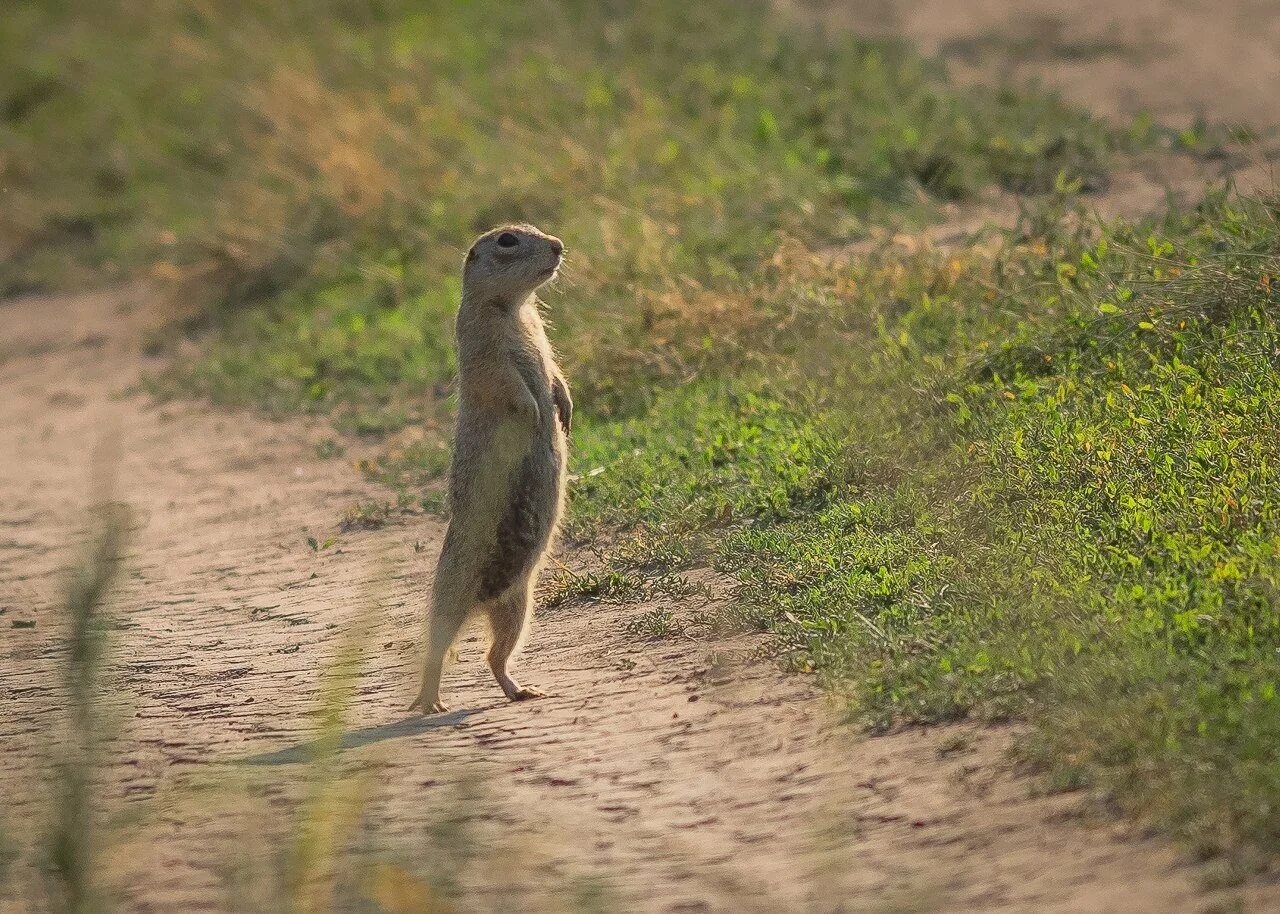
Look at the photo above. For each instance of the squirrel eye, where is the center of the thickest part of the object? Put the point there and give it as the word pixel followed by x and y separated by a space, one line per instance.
pixel 507 240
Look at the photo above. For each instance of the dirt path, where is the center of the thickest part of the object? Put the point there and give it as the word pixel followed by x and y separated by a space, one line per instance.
pixel 1178 60
pixel 682 786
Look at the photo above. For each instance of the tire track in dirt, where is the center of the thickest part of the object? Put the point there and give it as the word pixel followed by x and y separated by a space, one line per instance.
pixel 685 785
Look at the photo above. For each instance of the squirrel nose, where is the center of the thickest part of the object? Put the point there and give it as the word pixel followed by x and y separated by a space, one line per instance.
pixel 557 245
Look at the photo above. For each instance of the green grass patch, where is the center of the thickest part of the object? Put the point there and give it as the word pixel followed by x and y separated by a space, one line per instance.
pixel 1035 479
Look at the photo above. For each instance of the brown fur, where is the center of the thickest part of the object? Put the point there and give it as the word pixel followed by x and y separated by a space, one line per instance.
pixel 506 487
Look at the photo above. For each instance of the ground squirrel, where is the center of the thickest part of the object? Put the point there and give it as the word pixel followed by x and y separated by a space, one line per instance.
pixel 506 486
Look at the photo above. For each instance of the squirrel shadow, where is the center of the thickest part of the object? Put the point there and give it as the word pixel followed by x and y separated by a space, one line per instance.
pixel 409 726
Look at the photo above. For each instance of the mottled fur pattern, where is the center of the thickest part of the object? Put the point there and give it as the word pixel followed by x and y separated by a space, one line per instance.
pixel 506 487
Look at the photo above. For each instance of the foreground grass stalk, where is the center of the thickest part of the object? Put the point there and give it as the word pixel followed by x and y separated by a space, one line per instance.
pixel 329 815
pixel 73 842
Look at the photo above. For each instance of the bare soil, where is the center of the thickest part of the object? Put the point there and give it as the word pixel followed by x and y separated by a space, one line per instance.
pixel 678 780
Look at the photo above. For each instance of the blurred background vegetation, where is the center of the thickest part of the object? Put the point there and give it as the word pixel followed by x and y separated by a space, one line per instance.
pixel 329 163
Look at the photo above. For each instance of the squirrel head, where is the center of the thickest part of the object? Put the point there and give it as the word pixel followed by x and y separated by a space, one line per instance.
pixel 509 263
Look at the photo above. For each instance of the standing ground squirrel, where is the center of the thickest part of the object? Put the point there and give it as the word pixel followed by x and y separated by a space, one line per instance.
pixel 506 486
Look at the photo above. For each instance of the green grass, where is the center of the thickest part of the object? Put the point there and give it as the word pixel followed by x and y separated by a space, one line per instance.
pixel 1044 487
pixel 1031 475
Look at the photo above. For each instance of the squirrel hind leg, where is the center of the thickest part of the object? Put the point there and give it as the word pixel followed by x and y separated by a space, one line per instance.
pixel 449 611
pixel 509 618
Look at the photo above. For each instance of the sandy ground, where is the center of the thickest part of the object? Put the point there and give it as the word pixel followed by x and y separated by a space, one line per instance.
pixel 1179 60
pixel 679 783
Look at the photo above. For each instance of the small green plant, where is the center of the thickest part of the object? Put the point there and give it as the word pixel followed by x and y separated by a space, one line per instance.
pixel 370 515
pixel 435 503
pixel 613 586
pixel 418 465
pixel 329 449
pixel 316 545
pixel 374 515
pixel 656 624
